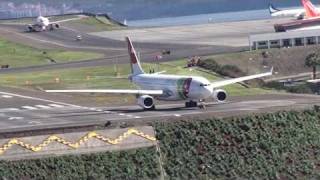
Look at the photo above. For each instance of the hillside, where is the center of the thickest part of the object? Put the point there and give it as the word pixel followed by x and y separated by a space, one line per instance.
pixel 286 62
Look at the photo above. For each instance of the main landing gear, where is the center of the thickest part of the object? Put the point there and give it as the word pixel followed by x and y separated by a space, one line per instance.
pixel 191 104
pixel 195 104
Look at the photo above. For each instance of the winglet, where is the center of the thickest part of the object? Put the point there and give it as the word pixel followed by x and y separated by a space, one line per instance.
pixel 273 9
pixel 271 70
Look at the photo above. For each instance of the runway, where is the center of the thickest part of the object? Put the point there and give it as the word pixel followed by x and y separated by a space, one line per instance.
pixel 229 34
pixel 20 112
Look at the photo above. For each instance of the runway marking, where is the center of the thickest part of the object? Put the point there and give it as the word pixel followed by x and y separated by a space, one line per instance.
pixel 43 106
pixel 39 99
pixel 29 107
pixel 56 105
pixel 16 118
pixel 177 115
pixel 62 45
pixel 6 96
pixel 34 122
pixel 9 109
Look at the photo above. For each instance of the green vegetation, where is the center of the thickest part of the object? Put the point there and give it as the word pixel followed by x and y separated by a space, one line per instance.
pixel 17 55
pixel 94 24
pixel 283 145
pixel 313 60
pixel 223 70
pixel 131 164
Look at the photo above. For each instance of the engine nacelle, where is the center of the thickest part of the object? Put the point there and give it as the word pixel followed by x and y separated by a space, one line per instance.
pixel 146 102
pixel 57 26
pixel 220 95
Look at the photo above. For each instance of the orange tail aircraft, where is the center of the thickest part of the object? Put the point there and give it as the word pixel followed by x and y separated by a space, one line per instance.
pixel 310 9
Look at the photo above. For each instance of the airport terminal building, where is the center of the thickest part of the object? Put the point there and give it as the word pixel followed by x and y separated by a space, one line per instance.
pixel 284 39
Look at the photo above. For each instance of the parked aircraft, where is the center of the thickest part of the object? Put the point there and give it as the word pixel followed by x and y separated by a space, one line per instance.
pixel 192 89
pixel 308 11
pixel 42 23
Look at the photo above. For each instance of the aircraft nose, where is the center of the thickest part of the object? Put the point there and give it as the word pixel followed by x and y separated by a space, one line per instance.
pixel 207 92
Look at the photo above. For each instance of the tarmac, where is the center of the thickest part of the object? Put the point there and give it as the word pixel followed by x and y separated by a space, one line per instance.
pixel 19 112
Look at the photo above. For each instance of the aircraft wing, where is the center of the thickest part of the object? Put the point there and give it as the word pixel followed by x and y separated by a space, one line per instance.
pixel 110 91
pixel 240 79
pixel 66 20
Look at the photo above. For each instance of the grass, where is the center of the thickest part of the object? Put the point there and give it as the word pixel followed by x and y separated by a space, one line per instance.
pixel 17 55
pixel 95 24
pixel 106 78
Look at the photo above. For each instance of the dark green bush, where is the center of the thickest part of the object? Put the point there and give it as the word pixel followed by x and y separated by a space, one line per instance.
pixel 284 145
pixel 132 164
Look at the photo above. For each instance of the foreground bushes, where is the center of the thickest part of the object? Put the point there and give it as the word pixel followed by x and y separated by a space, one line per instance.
pixel 133 164
pixel 283 145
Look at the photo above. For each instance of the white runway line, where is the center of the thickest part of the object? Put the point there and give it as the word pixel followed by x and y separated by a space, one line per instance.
pixel 29 107
pixel 15 118
pixel 56 105
pixel 43 106
pixel 6 96
pixel 9 109
pixel 39 99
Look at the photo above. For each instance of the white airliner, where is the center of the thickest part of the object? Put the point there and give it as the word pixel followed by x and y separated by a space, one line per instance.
pixel 44 24
pixel 308 11
pixel 192 89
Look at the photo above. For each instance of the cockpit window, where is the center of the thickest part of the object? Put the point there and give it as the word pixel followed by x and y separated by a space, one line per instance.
pixel 204 84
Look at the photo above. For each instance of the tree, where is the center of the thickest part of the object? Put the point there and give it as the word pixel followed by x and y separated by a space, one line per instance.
pixel 313 60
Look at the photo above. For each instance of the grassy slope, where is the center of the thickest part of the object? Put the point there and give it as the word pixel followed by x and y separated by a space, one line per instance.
pixel 93 24
pixel 105 77
pixel 285 61
pixel 283 145
pixel 17 55
pixel 132 164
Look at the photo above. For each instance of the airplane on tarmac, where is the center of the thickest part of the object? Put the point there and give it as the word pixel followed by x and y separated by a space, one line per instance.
pixel 192 89
pixel 308 11
pixel 42 23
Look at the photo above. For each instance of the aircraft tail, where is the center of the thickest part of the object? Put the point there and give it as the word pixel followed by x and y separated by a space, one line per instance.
pixel 134 61
pixel 310 9
pixel 273 9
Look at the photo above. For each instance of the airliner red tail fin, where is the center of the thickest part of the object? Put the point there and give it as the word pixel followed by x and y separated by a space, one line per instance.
pixel 134 61
pixel 311 10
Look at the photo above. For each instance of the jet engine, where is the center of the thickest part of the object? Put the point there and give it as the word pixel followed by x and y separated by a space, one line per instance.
pixel 146 102
pixel 220 95
pixel 57 26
